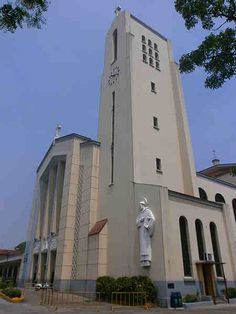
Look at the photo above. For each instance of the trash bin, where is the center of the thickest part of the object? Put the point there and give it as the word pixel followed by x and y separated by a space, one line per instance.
pixel 176 299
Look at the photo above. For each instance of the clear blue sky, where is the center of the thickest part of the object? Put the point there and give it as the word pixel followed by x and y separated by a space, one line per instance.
pixel 53 75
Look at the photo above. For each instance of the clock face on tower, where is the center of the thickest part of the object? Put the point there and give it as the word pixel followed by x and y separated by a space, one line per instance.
pixel 114 75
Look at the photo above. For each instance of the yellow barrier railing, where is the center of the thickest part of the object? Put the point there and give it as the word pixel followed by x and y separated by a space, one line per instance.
pixel 130 299
pixel 56 298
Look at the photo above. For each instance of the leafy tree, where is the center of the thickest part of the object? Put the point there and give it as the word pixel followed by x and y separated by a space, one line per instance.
pixel 217 52
pixel 18 13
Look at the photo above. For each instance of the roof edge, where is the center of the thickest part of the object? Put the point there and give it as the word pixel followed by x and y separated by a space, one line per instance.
pixel 97 227
pixel 148 27
pixel 216 180
pixel 91 143
pixel 62 139
pixel 194 199
pixel 218 166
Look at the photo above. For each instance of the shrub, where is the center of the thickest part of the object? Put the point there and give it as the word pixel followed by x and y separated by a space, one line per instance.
pixel 105 285
pixel 123 284
pixel 231 292
pixel 12 292
pixel 9 283
pixel 144 284
pixel 3 285
pixel 189 298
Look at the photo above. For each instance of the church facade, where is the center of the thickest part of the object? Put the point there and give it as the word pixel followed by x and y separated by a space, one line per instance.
pixel 87 193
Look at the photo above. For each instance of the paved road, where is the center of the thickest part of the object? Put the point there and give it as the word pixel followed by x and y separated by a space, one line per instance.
pixel 26 308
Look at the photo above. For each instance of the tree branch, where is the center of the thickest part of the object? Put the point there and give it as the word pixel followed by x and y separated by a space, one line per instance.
pixel 216 29
pixel 229 18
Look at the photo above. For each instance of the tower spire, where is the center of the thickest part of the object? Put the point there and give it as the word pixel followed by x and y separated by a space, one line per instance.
pixel 215 161
pixel 117 10
pixel 57 132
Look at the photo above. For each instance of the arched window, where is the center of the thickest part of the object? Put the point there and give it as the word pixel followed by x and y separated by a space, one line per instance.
pixel 183 227
pixel 149 43
pixel 144 58
pixel 216 248
pixel 219 198
pixel 234 207
pixel 143 39
pixel 202 194
pixel 200 239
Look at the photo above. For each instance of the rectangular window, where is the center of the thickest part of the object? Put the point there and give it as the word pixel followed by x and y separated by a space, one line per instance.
pixel 156 56
pixel 153 87
pixel 144 48
pixel 112 136
pixel 114 37
pixel 158 65
pixel 144 58
pixel 158 165
pixel 155 123
pixel 155 47
pixel 150 51
pixel 151 62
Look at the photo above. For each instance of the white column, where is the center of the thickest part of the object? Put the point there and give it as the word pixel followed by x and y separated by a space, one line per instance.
pixel 51 193
pixel 57 198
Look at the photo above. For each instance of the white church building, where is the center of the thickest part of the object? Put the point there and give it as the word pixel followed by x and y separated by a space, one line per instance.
pixel 86 219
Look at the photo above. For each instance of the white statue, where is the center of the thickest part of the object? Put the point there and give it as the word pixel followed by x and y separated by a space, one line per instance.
pixel 145 223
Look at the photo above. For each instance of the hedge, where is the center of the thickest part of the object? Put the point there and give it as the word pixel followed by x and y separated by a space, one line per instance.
pixel 231 292
pixel 106 285
pixel 189 298
pixel 3 285
pixel 12 292
pixel 6 283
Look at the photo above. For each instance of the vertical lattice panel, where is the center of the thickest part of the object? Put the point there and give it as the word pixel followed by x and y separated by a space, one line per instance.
pixel 75 270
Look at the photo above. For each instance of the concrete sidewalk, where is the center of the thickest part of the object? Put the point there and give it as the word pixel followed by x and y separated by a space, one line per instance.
pixel 25 308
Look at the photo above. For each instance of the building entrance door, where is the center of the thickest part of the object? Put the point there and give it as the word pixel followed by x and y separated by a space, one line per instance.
pixel 207 279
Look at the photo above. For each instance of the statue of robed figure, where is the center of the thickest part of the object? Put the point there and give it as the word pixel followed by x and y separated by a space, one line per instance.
pixel 145 223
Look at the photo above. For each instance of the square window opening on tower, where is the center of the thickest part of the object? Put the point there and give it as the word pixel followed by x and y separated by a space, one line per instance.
pixel 155 123
pixel 151 62
pixel 145 58
pixel 158 66
pixel 155 47
pixel 153 87
pixel 158 165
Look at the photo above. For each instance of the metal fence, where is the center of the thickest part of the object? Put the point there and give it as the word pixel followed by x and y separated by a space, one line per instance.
pixel 129 299
pixel 56 298
pixel 30 294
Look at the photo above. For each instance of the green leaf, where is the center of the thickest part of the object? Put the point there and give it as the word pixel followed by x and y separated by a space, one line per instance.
pixel 217 52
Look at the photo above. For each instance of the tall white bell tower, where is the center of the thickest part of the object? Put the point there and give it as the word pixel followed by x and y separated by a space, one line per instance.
pixel 142 128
